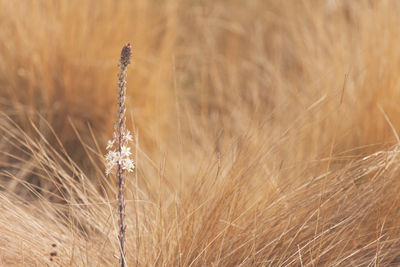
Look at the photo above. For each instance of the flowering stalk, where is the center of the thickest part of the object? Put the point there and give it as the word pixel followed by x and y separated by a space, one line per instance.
pixel 120 157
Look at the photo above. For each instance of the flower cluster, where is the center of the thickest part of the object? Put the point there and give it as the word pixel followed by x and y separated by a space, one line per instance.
pixel 116 157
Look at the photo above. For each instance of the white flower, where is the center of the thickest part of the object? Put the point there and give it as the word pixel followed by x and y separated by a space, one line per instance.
pixel 111 160
pixel 110 144
pixel 128 136
pixel 110 156
pixel 125 151
pixel 128 165
pixel 110 166
pixel 118 158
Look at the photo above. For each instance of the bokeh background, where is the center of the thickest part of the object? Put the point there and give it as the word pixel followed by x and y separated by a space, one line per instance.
pixel 266 132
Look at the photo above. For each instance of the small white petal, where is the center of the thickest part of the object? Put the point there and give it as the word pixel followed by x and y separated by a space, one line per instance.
pixel 126 151
pixel 128 136
pixel 128 165
pixel 110 144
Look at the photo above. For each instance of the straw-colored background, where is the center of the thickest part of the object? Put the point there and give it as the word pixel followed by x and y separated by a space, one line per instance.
pixel 266 132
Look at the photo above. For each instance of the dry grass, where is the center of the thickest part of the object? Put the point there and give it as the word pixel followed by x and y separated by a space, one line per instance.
pixel 266 132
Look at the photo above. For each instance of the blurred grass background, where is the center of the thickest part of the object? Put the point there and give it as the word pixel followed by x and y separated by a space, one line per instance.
pixel 237 105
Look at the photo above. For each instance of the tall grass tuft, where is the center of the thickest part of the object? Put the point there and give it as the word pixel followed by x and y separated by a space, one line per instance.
pixel 121 156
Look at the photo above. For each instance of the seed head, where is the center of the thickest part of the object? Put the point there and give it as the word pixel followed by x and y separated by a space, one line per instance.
pixel 126 55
